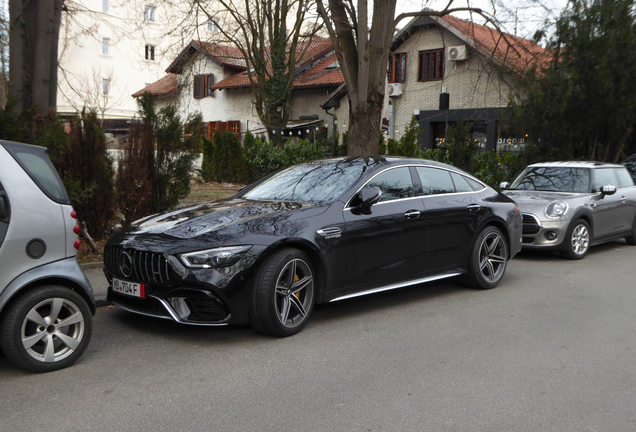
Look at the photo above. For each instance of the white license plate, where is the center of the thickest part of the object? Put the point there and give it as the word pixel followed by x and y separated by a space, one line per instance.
pixel 129 288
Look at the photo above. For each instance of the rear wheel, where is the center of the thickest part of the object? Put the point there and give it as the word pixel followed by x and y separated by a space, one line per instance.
pixel 283 293
pixel 46 329
pixel 488 259
pixel 578 239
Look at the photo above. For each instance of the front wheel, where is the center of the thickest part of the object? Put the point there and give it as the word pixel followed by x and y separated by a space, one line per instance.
pixel 488 259
pixel 46 329
pixel 578 240
pixel 283 293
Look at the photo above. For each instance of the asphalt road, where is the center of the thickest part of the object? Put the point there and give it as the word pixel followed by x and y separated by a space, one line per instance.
pixel 553 348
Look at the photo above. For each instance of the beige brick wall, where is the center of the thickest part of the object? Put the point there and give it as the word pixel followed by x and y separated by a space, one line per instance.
pixel 472 83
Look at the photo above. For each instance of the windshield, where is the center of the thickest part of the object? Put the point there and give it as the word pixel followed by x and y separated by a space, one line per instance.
pixel 318 181
pixel 553 179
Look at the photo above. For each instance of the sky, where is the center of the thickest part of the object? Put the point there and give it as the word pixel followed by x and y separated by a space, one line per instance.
pixel 520 17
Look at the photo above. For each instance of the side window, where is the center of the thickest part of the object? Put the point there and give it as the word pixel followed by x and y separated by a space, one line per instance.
pixel 624 179
pixel 474 184
pixel 461 185
pixel 435 181
pixel 394 183
pixel 603 177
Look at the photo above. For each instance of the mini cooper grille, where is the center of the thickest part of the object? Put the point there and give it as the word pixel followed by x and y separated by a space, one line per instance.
pixel 137 265
pixel 530 224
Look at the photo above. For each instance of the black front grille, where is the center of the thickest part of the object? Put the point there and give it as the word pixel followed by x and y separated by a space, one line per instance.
pixel 145 266
pixel 530 224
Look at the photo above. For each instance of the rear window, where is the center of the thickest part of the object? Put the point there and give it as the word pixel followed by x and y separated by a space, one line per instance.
pixel 37 165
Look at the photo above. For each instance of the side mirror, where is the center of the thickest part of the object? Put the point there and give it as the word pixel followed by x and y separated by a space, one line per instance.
pixel 608 190
pixel 367 197
pixel 504 185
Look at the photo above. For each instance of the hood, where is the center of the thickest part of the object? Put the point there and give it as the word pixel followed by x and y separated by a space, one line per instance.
pixel 201 219
pixel 529 200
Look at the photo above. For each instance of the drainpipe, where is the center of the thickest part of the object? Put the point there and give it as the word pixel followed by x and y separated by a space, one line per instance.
pixel 391 120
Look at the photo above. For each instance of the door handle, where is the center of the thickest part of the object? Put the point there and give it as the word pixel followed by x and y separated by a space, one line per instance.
pixel 412 214
pixel 473 207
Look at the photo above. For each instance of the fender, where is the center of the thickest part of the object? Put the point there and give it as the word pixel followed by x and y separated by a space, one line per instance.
pixel 64 272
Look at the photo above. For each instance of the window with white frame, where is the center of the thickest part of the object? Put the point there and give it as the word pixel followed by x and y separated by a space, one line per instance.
pixel 105 43
pixel 213 25
pixel 150 52
pixel 149 13
pixel 105 86
pixel 105 6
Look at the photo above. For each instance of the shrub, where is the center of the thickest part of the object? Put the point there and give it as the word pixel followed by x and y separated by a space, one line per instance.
pixel 134 173
pixel 174 158
pixel 87 173
pixel 408 144
pixel 224 159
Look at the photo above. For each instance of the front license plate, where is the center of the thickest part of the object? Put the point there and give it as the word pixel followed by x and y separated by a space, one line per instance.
pixel 129 288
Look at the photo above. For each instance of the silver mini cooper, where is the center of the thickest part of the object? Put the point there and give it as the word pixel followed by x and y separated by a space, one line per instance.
pixel 570 206
pixel 46 302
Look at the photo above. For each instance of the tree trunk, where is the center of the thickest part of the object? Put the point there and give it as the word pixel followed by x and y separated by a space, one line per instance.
pixel 364 130
pixel 34 34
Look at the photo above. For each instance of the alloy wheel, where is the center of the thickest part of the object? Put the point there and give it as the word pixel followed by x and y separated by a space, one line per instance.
pixel 492 257
pixel 294 292
pixel 580 239
pixel 52 330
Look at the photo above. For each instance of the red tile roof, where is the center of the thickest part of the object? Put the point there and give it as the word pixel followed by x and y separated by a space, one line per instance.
pixel 319 75
pixel 222 54
pixel 513 51
pixel 162 88
pixel 318 48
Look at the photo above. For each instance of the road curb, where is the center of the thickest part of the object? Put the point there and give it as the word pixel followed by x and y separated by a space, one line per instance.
pixel 93 265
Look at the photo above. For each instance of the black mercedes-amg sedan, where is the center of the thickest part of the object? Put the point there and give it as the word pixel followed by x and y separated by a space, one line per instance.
pixel 317 232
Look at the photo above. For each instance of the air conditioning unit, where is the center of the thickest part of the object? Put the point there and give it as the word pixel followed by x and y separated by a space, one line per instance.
pixel 457 53
pixel 395 89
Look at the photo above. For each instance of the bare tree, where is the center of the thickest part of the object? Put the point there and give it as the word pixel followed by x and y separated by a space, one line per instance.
pixel 363 53
pixel 272 39
pixel 93 91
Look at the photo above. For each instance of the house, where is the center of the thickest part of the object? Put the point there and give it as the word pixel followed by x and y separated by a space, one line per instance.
pixel 445 68
pixel 110 48
pixel 212 79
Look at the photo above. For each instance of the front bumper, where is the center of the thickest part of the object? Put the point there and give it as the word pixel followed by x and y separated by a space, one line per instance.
pixel 542 234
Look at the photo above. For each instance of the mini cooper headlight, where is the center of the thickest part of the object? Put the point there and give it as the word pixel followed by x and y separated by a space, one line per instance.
pixel 556 209
pixel 217 257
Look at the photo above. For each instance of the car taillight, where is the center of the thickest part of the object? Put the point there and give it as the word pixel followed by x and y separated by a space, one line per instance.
pixel 74 214
pixel 76 245
pixel 76 229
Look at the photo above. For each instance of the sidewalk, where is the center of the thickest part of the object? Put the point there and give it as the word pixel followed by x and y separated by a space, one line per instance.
pixel 95 274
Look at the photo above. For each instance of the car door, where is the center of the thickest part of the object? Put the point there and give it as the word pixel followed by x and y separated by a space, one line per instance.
pixel 453 214
pixel 386 245
pixel 611 215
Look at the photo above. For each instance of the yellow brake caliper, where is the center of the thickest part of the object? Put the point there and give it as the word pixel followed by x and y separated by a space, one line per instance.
pixel 296 279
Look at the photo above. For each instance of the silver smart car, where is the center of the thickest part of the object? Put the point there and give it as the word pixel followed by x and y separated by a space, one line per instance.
pixel 570 206
pixel 46 302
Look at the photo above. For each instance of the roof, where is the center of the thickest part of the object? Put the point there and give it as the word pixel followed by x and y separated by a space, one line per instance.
pixel 222 54
pixel 576 164
pixel 162 88
pixel 515 52
pixel 311 67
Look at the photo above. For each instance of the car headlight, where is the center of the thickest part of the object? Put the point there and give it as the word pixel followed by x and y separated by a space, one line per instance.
pixel 556 209
pixel 217 257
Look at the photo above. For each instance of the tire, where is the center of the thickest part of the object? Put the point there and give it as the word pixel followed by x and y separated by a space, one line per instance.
pixel 577 238
pixel 46 329
pixel 488 259
pixel 283 293
pixel 631 239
